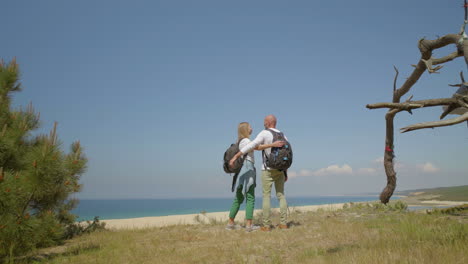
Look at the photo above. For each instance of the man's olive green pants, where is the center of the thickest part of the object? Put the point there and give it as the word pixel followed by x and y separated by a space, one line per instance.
pixel 270 177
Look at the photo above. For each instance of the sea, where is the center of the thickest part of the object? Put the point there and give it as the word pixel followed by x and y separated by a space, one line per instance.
pixel 134 208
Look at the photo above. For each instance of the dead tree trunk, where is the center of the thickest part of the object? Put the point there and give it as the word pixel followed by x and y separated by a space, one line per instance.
pixel 426 47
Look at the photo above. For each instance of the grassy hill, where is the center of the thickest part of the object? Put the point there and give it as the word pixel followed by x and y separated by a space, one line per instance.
pixel 360 233
pixel 455 193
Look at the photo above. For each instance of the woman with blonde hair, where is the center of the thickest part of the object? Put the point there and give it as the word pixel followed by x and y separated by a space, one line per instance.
pixel 247 180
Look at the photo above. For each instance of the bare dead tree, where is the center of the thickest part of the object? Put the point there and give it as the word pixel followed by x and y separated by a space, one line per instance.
pixel 432 65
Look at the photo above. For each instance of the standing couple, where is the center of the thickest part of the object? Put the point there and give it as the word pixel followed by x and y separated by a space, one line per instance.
pixel 247 176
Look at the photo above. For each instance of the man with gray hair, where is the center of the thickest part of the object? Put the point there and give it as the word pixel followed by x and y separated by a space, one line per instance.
pixel 269 176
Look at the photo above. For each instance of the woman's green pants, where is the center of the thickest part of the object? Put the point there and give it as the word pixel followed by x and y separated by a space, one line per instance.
pixel 239 199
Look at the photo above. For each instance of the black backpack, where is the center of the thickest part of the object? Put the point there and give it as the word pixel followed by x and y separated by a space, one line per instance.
pixel 279 158
pixel 228 155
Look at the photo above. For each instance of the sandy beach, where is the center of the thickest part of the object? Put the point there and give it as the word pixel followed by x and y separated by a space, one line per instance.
pixel 191 219
pixel 443 203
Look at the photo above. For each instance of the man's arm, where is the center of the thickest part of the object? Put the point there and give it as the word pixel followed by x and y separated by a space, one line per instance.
pixel 254 143
pixel 249 147
pixel 276 144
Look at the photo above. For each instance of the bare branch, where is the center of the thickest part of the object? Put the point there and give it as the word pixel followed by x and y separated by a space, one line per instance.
pixel 466 10
pixel 447 111
pixel 414 104
pixel 429 67
pixel 447 58
pixel 407 101
pixel 464 49
pixel 426 47
pixel 447 122
pixel 462 78
pixel 462 100
pixel 396 77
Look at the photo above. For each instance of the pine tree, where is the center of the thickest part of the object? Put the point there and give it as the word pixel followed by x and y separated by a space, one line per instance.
pixel 36 176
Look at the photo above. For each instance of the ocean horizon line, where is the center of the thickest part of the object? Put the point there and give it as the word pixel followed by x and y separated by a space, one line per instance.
pixel 132 208
pixel 228 197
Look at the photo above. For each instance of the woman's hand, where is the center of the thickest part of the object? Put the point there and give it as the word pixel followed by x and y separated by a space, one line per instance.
pixel 231 162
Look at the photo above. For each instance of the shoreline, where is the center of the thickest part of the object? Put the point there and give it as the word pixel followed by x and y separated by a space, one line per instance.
pixel 194 219
pixel 198 218
pixel 87 210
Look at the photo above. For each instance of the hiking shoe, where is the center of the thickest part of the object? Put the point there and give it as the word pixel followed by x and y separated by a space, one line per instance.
pixel 232 227
pixel 251 228
pixel 265 228
pixel 283 226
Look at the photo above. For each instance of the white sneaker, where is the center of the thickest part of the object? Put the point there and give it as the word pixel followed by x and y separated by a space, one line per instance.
pixel 232 227
pixel 251 228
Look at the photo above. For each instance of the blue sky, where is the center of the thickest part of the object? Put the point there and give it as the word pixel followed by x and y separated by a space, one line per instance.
pixel 154 90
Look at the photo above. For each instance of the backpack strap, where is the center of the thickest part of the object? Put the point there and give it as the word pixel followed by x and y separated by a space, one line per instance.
pixel 234 180
pixel 276 133
pixel 265 157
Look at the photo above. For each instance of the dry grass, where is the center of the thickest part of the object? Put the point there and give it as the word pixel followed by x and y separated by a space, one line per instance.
pixel 359 234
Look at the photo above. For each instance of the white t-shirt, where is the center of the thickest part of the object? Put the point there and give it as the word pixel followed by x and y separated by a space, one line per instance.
pixel 244 142
pixel 264 137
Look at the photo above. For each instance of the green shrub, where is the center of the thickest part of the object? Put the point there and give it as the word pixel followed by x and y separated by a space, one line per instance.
pixel 77 229
pixel 399 206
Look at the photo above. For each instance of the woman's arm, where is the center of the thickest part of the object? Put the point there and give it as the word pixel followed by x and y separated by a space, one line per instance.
pixel 231 162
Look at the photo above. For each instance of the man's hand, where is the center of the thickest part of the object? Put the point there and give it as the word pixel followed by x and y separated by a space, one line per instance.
pixel 278 144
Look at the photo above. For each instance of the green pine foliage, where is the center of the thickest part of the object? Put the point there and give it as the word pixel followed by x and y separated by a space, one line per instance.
pixel 36 176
